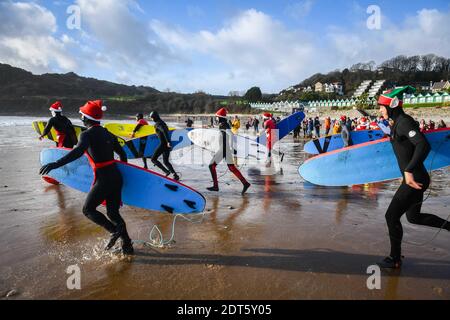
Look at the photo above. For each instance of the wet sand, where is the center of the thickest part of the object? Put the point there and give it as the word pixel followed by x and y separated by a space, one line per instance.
pixel 285 239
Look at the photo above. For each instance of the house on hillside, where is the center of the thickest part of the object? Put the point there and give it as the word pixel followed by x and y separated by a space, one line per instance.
pixel 334 87
pixel 440 86
pixel 318 87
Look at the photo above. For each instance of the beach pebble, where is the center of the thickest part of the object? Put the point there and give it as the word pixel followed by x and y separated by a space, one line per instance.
pixel 5 186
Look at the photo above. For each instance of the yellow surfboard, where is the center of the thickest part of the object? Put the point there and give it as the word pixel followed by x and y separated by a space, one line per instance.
pixel 125 130
pixel 39 126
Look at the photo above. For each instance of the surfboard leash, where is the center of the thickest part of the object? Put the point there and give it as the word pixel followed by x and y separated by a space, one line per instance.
pixel 156 238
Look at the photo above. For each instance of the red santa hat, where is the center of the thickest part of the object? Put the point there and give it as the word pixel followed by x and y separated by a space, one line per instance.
pixel 56 107
pixel 267 115
pixel 222 113
pixel 93 110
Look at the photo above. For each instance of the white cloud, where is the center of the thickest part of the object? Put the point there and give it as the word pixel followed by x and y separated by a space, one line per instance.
pixel 27 38
pixel 425 32
pixel 255 46
pixel 250 49
pixel 121 35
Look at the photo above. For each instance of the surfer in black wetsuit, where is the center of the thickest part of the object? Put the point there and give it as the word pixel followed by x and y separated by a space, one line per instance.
pixel 411 149
pixel 140 122
pixel 66 135
pixel 164 147
pixel 225 152
pixel 100 146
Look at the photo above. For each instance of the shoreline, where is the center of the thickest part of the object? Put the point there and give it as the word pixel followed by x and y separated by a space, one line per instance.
pixel 426 112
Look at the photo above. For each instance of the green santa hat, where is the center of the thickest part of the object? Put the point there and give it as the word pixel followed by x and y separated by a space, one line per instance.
pixel 394 98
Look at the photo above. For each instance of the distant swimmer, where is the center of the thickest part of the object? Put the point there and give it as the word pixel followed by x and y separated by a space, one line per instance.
pixel 225 152
pixel 100 145
pixel 164 148
pixel 411 149
pixel 140 122
pixel 66 135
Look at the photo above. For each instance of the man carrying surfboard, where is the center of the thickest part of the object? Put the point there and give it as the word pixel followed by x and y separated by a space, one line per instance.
pixel 164 148
pixel 64 129
pixel 411 148
pixel 99 145
pixel 140 123
pixel 225 152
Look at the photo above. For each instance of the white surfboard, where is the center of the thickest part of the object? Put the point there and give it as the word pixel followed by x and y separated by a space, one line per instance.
pixel 243 147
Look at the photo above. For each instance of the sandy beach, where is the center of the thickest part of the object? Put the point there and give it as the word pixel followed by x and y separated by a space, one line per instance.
pixel 285 239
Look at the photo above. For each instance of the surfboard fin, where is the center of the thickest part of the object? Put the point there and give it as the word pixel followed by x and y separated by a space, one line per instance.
pixel 171 187
pixel 167 208
pixel 190 204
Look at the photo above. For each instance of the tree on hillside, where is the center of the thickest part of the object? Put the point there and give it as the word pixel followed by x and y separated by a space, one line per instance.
pixel 253 94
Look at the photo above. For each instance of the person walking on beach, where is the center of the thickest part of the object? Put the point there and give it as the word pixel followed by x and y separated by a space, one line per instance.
pixel 65 133
pixel 345 132
pixel 327 125
pixel 256 124
pixel 189 123
pixel 297 131
pixel 317 126
pixel 100 145
pixel 164 148
pixel 411 149
pixel 225 151
pixel 310 127
pixel 235 125
pixel 140 123
pixel 442 124
pixel 305 128
pixel 337 127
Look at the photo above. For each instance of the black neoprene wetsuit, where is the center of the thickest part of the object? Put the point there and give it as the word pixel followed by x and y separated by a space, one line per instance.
pixel 101 145
pixel 62 124
pixel 162 131
pixel 411 149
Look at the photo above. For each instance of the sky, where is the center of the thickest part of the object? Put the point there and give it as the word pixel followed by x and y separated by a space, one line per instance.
pixel 216 46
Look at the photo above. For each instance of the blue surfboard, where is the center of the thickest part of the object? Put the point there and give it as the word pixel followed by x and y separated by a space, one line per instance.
pixel 284 127
pixel 335 142
pixel 370 162
pixel 146 146
pixel 141 188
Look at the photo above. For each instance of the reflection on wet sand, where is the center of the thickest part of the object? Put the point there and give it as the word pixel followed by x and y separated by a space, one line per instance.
pixel 262 245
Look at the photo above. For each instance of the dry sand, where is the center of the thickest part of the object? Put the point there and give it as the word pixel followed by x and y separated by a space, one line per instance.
pixel 285 239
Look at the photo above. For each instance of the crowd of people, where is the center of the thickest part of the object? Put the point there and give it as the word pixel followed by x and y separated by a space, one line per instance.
pixel 314 128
